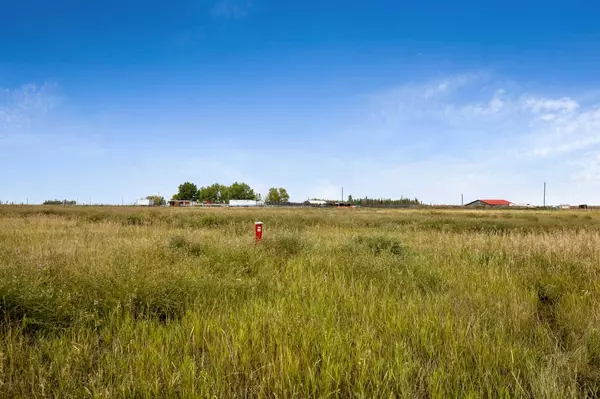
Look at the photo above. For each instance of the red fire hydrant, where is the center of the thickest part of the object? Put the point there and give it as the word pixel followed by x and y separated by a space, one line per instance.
pixel 258 231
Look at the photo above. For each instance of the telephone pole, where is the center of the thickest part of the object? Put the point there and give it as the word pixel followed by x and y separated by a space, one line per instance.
pixel 462 202
pixel 544 194
pixel 342 194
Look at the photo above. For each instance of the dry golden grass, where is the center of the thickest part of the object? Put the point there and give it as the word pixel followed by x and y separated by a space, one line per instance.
pixel 123 302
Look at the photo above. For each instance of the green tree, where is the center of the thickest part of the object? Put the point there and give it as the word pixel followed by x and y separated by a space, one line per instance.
pixel 240 191
pixel 157 200
pixel 283 195
pixel 350 199
pixel 278 195
pixel 59 202
pixel 215 193
pixel 187 191
pixel 273 195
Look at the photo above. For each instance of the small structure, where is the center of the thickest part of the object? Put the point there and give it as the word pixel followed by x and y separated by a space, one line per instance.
pixel 343 205
pixel 144 202
pixel 522 205
pixel 316 203
pixel 487 203
pixel 181 203
pixel 245 203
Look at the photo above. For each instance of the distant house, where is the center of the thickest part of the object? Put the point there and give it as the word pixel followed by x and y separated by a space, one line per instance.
pixel 316 203
pixel 486 203
pixel 144 202
pixel 245 203
pixel 181 203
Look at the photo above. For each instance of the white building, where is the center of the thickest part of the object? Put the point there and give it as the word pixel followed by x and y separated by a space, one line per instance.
pixel 144 202
pixel 245 203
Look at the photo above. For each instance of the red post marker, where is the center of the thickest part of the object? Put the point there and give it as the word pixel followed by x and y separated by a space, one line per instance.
pixel 258 230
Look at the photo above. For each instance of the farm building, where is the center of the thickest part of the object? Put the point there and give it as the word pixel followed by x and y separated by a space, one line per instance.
pixel 245 203
pixel 181 203
pixel 485 203
pixel 316 203
pixel 144 202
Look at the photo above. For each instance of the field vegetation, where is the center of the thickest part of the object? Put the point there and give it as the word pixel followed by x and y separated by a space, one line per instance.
pixel 125 302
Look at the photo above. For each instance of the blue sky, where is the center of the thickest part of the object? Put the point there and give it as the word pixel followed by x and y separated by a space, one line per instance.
pixel 428 99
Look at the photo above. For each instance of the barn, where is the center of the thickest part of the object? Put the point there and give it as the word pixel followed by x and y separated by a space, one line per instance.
pixel 487 203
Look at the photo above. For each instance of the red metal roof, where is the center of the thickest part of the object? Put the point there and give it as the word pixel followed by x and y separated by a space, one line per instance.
pixel 495 202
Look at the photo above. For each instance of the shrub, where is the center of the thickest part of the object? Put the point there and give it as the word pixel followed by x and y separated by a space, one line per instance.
pixel 380 244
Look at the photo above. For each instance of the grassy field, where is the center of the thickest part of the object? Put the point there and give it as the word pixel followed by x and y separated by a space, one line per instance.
pixel 123 302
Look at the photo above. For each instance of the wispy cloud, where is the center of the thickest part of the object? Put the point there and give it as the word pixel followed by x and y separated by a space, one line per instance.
pixel 470 134
pixel 231 8
pixel 510 139
pixel 19 106
pixel 562 105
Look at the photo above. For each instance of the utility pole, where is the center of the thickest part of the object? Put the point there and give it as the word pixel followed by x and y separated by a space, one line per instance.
pixel 342 194
pixel 544 194
pixel 462 201
pixel 122 200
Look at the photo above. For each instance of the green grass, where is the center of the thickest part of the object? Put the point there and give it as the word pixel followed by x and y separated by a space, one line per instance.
pixel 124 302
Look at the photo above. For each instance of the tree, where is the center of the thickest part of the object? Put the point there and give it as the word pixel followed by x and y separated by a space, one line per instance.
pixel 283 195
pixel 59 202
pixel 278 195
pixel 273 195
pixel 240 191
pixel 157 200
pixel 215 193
pixel 187 191
pixel 350 199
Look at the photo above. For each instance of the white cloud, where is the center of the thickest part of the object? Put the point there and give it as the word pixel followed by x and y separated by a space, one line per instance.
pixel 470 135
pixel 20 105
pixel 561 105
pixel 448 84
pixel 512 140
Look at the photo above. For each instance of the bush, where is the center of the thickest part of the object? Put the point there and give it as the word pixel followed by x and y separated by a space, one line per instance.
pixel 284 245
pixel 180 243
pixel 380 244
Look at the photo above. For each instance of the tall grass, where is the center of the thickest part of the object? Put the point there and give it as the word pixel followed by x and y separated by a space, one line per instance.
pixel 122 302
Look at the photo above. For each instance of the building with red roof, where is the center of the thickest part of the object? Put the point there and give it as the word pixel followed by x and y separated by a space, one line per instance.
pixel 489 203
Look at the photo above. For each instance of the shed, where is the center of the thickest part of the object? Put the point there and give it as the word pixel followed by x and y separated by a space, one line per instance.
pixel 484 203
pixel 244 203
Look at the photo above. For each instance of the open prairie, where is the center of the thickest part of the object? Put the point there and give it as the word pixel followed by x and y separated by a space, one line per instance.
pixel 125 302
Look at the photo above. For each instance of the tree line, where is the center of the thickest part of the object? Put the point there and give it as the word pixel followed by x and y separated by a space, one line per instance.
pixel 222 194
pixel 59 202
pixel 383 202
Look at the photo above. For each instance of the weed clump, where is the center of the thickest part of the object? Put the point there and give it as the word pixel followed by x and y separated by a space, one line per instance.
pixel 286 245
pixel 134 220
pixel 588 378
pixel 379 245
pixel 181 243
pixel 177 242
pixel 548 298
